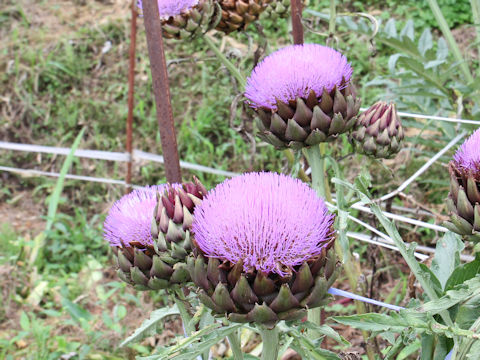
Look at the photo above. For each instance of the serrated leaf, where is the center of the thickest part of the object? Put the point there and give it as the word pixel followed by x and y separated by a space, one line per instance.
pixel 408 30
pixel 76 312
pixel 149 326
pixel 200 341
pixel 447 257
pixel 425 42
pixel 460 293
pixel 24 321
pixel 325 330
pixel 391 28
pixel 468 312
pixel 409 350
pixel 442 49
pixel 463 273
pixel 392 62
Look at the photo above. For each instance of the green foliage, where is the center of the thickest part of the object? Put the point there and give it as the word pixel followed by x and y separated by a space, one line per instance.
pixel 149 326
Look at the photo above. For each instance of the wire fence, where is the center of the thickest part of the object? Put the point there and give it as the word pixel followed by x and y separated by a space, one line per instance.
pixel 376 237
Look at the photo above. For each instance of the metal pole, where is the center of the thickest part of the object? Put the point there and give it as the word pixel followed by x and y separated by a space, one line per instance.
pixel 131 89
pixel 297 27
pixel 161 90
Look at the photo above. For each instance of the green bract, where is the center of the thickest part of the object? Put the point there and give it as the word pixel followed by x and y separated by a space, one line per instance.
pixel 378 131
pixel 162 264
pixel 263 298
pixel 463 202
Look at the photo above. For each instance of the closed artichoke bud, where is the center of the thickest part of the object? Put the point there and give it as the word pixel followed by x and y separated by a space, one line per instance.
pixel 148 257
pixel 187 19
pixel 303 96
pixel 378 131
pixel 263 249
pixel 279 9
pixel 237 14
pixel 174 217
pixel 463 201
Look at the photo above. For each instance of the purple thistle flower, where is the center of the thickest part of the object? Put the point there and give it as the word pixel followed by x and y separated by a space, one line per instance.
pixel 467 156
pixel 168 8
pixel 130 218
pixel 293 72
pixel 268 221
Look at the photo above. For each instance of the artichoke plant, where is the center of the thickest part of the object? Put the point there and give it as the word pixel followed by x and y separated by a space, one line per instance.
pixel 263 249
pixel 237 14
pixel 378 131
pixel 183 19
pixel 149 230
pixel 463 201
pixel 303 96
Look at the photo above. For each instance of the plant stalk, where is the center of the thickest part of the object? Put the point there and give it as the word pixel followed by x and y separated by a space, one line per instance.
pixel 475 5
pixel 227 63
pixel 316 158
pixel 235 345
pixel 442 23
pixel 332 19
pixel 270 339
pixel 466 345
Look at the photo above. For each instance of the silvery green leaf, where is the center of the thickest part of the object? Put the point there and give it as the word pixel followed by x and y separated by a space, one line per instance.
pixel 447 257
pixel 149 326
pixel 391 28
pixel 408 30
pixel 425 42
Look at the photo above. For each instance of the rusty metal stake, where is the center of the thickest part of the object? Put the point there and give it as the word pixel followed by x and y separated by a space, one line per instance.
pixel 161 90
pixel 297 26
pixel 131 89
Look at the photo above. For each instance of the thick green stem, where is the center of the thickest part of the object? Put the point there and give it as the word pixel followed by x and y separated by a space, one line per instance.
pixel 452 44
pixel 475 5
pixel 270 341
pixel 317 165
pixel 466 345
pixel 332 19
pixel 316 158
pixel 235 345
pixel 228 64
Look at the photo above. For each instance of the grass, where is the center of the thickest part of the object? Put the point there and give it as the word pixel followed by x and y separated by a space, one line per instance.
pixel 57 78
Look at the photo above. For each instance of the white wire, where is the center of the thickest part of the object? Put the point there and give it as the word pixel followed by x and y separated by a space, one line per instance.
pixel 403 218
pixel 31 173
pixel 424 168
pixel 111 156
pixel 434 117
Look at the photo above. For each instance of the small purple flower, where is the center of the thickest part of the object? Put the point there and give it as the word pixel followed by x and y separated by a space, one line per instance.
pixel 269 221
pixel 168 8
pixel 293 72
pixel 467 156
pixel 130 218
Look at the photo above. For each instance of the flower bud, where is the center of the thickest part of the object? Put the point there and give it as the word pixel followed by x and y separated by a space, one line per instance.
pixel 463 201
pixel 149 231
pixel 186 19
pixel 378 131
pixel 237 14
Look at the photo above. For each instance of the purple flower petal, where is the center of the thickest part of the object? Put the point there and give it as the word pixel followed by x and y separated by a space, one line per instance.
pixel 265 219
pixel 167 8
pixel 130 218
pixel 467 156
pixel 293 72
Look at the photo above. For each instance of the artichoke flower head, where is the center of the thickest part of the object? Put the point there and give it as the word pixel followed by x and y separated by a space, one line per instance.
pixel 262 249
pixel 464 198
pixel 303 96
pixel 182 19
